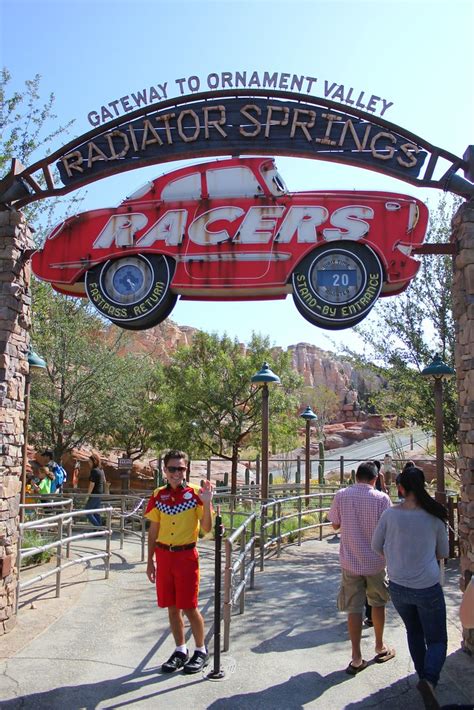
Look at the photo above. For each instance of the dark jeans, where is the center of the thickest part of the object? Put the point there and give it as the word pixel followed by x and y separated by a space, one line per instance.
pixel 423 612
pixel 94 518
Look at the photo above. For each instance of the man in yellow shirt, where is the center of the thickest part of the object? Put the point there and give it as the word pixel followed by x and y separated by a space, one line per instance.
pixel 175 512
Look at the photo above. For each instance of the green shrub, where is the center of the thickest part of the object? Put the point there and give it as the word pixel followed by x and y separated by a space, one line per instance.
pixel 32 538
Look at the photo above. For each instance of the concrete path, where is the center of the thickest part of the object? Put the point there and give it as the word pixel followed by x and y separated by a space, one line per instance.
pixel 102 644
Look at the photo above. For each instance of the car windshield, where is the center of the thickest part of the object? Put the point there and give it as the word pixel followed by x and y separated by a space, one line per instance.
pixel 274 181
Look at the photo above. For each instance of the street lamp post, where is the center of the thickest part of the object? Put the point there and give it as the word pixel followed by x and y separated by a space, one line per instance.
pixel 35 362
pixel 263 377
pixel 309 416
pixel 439 371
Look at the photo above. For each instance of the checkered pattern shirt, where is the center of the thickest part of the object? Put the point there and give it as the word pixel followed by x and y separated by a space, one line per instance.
pixel 357 510
pixel 178 512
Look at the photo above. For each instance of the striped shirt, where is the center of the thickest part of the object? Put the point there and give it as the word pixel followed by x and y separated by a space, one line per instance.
pixel 357 509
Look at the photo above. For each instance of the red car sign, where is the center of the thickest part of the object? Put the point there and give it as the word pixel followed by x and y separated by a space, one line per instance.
pixel 230 230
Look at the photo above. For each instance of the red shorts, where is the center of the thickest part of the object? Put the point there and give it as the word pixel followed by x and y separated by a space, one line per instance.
pixel 177 578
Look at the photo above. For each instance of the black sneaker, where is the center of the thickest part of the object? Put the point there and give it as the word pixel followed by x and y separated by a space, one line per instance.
pixel 368 622
pixel 198 661
pixel 175 662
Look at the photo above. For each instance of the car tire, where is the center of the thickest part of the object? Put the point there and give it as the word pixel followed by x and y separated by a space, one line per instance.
pixel 337 284
pixel 133 292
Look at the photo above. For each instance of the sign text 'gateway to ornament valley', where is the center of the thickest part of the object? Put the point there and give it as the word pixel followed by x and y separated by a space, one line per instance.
pixel 283 81
pixel 243 125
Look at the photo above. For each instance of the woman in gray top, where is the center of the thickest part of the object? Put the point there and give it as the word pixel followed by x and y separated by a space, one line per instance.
pixel 412 537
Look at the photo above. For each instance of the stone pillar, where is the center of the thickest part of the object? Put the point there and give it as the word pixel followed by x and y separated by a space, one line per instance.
pixel 463 312
pixel 15 322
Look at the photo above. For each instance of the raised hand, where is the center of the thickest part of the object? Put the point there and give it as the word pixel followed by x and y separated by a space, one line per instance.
pixel 206 492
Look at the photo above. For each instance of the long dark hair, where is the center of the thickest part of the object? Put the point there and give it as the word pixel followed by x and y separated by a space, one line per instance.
pixel 412 479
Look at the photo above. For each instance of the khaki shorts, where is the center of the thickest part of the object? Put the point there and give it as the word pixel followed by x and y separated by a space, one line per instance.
pixel 355 588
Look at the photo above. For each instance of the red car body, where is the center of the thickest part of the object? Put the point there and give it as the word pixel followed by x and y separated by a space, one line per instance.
pixel 230 230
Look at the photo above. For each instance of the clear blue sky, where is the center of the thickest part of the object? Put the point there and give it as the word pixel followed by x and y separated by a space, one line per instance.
pixel 413 53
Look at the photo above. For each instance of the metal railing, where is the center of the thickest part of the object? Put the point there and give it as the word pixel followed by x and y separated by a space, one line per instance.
pixel 240 545
pixel 62 522
pixel 243 566
pixel 127 512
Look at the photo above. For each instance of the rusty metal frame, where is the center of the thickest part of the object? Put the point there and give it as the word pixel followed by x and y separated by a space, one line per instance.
pixel 21 185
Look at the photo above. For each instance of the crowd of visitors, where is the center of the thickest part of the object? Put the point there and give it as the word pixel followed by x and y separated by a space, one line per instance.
pixel 387 552
pixel 394 552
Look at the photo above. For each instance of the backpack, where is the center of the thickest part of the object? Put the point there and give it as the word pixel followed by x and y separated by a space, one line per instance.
pixel 60 475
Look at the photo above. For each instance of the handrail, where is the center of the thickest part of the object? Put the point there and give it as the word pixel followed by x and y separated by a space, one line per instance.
pixel 58 521
pixel 120 505
pixel 240 545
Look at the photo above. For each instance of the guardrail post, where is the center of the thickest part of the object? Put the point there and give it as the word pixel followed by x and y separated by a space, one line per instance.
pixel 252 554
pixel 217 671
pixel 320 518
pixel 107 543
pixel 299 520
pixel 58 557
pixel 298 470
pixel 257 471
pixel 341 470
pixel 242 571
pixel 227 593
pixel 263 515
pixel 208 469
pixel 278 509
pixel 122 521
pixel 69 530
pixel 18 566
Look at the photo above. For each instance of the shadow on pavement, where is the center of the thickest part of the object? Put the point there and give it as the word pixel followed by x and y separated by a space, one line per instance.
pixel 293 694
pixel 89 695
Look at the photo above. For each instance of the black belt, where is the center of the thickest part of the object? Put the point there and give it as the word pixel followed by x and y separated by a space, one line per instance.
pixel 176 548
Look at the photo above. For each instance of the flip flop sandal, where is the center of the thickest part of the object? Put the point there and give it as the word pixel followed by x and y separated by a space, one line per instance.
pixel 385 655
pixel 354 670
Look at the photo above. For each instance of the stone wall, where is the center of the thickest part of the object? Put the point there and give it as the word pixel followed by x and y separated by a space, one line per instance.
pixel 463 311
pixel 14 339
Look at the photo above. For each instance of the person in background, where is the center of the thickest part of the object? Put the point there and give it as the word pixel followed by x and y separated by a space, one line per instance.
pixel 58 471
pixel 356 510
pixel 388 470
pixel 379 486
pixel 412 536
pixel 95 490
pixel 408 464
pixel 45 478
pixel 75 474
pixel 380 480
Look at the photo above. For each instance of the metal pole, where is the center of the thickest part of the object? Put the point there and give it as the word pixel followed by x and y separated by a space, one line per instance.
pixel 341 470
pixel 59 550
pixel 25 444
pixel 217 671
pixel 108 540
pixel 438 401
pixel 307 472
pixel 264 489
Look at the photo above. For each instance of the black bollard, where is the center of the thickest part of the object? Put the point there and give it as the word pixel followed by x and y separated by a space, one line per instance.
pixel 217 671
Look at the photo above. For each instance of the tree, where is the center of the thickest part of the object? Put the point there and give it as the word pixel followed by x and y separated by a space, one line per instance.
pixel 132 429
pixel 217 410
pixel 29 127
pixel 87 393
pixel 325 404
pixel 410 329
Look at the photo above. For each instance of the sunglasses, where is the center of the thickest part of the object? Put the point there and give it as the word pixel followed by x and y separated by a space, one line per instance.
pixel 176 469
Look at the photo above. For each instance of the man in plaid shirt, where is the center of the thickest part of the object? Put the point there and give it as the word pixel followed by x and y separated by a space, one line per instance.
pixel 355 511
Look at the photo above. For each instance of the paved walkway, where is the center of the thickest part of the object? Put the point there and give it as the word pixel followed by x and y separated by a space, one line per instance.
pixel 101 645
